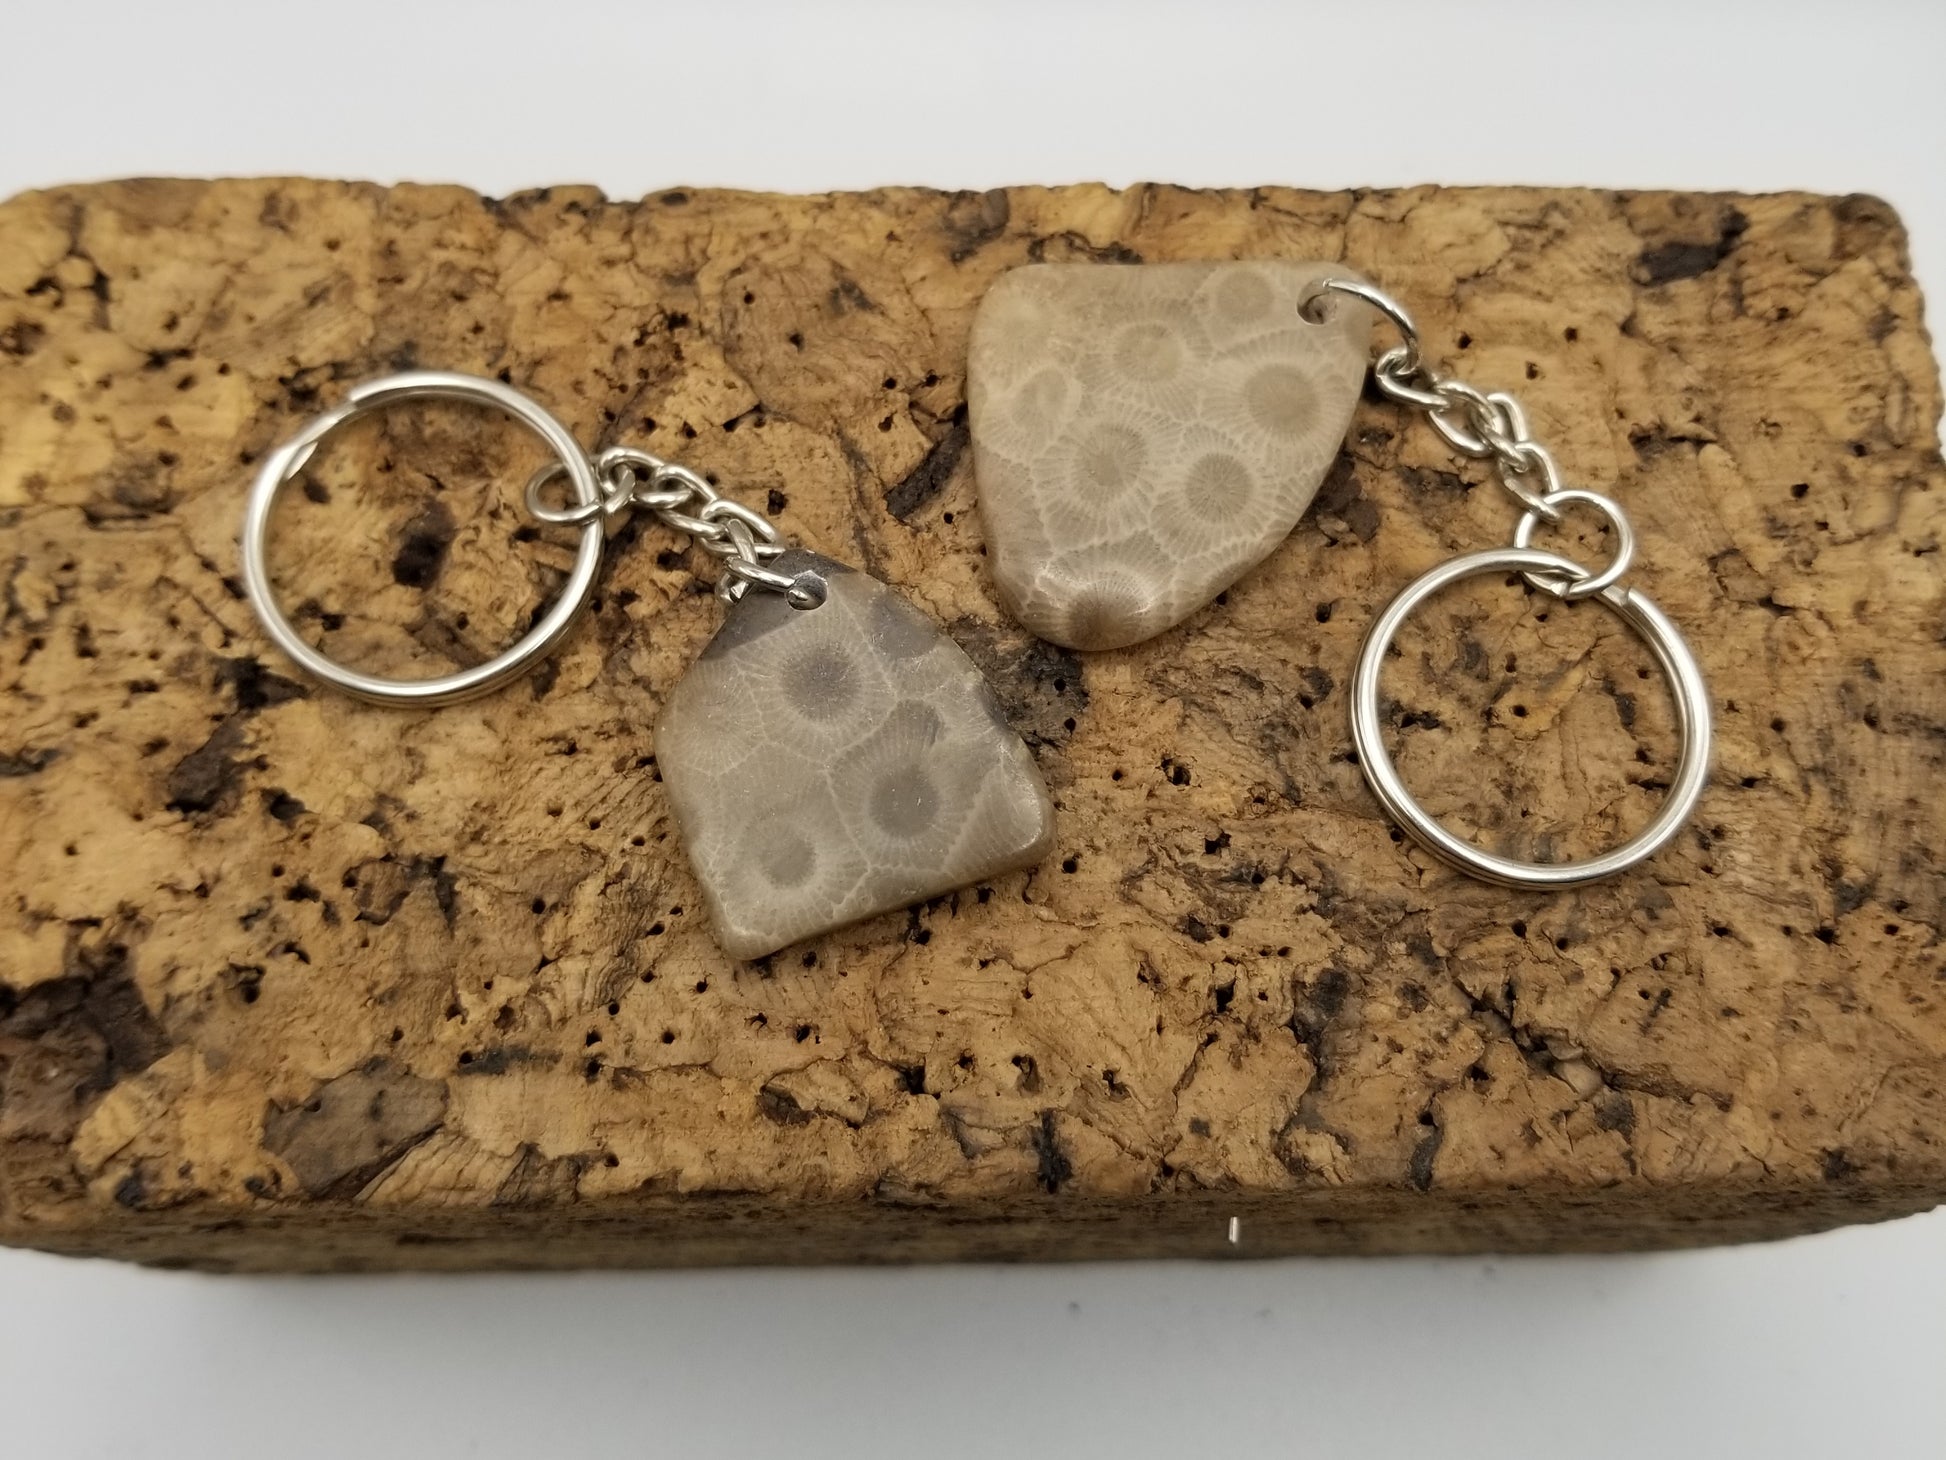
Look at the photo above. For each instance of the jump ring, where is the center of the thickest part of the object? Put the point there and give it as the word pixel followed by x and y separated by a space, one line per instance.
pixel 803 591
pixel 289 459
pixel 1671 653
pixel 578 515
pixel 1370 294
pixel 615 497
pixel 1589 583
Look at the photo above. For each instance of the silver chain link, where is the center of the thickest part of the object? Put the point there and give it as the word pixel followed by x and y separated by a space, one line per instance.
pixel 742 539
pixel 1486 426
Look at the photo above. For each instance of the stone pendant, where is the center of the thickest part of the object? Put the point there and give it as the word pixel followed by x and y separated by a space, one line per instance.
pixel 831 763
pixel 1144 435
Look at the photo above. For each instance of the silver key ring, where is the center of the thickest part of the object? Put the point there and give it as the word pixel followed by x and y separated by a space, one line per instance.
pixel 288 460
pixel 1664 641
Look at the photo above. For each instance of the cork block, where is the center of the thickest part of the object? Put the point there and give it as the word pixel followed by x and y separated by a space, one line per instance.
pixel 289 981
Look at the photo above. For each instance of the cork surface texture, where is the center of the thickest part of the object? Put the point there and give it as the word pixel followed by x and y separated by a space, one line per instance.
pixel 292 981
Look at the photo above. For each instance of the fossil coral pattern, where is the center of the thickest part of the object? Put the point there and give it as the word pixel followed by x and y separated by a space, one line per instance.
pixel 833 763
pixel 1145 435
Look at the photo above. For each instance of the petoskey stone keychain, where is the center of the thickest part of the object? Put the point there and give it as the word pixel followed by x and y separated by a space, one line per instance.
pixel 830 755
pixel 1145 434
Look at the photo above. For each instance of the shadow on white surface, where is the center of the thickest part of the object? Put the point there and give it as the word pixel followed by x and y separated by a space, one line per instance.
pixel 1827 1345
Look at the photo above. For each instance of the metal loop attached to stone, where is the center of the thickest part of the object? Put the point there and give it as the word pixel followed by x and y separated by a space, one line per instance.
pixel 804 590
pixel 1409 359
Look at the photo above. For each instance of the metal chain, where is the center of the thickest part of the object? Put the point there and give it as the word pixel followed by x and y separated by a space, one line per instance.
pixel 1486 426
pixel 742 539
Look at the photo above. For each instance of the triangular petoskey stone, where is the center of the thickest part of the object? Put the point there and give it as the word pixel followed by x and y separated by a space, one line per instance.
pixel 1145 434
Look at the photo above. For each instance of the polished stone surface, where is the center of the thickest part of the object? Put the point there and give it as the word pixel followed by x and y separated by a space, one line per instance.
pixel 832 763
pixel 1143 435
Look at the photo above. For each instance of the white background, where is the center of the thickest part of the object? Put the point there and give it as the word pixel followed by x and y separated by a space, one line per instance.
pixel 1834 1345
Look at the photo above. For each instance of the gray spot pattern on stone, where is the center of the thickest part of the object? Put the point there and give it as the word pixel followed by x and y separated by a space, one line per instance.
pixel 833 763
pixel 1144 435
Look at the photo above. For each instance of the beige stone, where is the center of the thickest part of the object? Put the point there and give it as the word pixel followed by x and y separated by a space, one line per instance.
pixel 1144 435
pixel 830 763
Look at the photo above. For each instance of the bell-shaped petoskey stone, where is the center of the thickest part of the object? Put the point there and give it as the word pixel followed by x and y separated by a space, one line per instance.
pixel 1145 434
pixel 831 763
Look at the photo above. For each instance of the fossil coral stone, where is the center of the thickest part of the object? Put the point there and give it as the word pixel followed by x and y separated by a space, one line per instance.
pixel 1145 434
pixel 831 763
